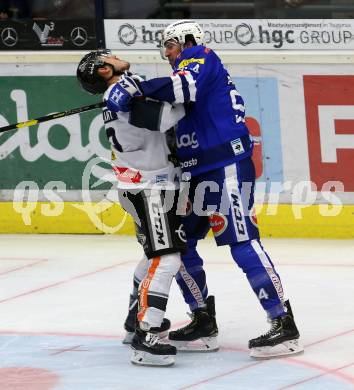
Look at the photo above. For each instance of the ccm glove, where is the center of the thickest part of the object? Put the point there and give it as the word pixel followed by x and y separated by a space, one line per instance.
pixel 121 94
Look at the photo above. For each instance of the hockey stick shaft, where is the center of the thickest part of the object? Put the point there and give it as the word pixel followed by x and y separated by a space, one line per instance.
pixel 57 115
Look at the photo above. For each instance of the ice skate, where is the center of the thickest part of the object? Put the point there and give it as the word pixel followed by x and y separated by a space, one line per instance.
pixel 200 335
pixel 148 351
pixel 281 340
pixel 131 321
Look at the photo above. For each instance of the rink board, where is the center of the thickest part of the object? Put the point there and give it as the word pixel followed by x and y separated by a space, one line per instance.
pixel 281 220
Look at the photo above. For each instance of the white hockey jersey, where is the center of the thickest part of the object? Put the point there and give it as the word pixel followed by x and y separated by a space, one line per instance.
pixel 140 157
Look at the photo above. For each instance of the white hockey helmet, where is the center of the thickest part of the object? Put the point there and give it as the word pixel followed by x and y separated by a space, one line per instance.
pixel 181 31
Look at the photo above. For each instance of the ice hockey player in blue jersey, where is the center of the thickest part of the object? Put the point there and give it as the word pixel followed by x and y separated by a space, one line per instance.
pixel 214 149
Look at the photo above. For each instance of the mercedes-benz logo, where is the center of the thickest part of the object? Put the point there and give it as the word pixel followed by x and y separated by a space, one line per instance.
pixel 79 36
pixel 127 34
pixel 9 36
pixel 244 34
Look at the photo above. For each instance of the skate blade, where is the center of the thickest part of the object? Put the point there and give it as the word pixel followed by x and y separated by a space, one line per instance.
pixel 147 359
pixel 286 348
pixel 129 337
pixel 204 344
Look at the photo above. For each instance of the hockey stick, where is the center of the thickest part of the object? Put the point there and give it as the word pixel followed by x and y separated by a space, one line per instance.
pixel 57 115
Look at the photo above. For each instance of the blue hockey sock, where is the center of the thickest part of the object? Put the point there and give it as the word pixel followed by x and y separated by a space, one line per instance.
pixel 264 280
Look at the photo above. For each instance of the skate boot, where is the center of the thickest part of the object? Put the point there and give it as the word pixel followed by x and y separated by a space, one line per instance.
pixel 200 335
pixel 282 338
pixel 131 321
pixel 148 351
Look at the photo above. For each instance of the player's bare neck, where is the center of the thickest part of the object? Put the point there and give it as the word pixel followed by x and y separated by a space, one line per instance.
pixel 113 80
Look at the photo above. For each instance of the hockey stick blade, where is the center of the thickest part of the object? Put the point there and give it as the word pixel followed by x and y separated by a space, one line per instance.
pixel 57 115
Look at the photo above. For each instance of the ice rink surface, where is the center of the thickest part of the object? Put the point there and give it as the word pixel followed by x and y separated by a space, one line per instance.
pixel 63 301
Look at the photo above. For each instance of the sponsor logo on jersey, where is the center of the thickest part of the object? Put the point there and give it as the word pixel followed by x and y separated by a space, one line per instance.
pixel 189 163
pixel 237 146
pixel 109 116
pixel 141 238
pixel 181 233
pixel 127 175
pixel 186 140
pixel 161 178
pixel 253 217
pixel 237 210
pixel 218 223
pixel 188 61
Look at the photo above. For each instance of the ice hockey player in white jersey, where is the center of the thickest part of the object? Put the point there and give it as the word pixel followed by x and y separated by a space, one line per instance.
pixel 147 176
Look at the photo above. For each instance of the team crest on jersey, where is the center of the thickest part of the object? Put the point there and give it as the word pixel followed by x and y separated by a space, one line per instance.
pixel 218 223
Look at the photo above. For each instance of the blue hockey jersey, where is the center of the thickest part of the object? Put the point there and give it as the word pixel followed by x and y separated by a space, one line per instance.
pixel 213 133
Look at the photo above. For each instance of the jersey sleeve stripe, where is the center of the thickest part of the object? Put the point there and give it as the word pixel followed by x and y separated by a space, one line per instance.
pixel 185 87
pixel 178 89
pixel 192 86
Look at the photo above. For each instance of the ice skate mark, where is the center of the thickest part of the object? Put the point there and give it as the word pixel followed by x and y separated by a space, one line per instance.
pixel 61 282
pixel 326 371
pixel 2 258
pixel 22 267
pixel 221 375
pixel 75 348
pixel 233 349
pixel 333 372
pixel 330 338
pixel 289 264
pixel 237 348
pixel 60 334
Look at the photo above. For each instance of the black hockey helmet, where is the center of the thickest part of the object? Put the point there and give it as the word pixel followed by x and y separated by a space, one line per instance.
pixel 87 74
